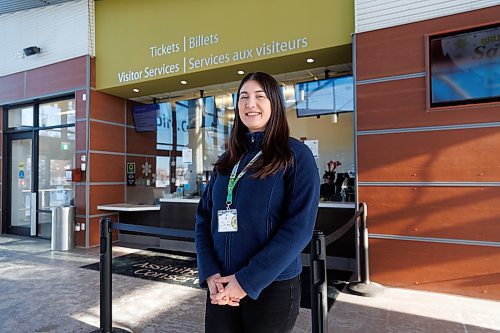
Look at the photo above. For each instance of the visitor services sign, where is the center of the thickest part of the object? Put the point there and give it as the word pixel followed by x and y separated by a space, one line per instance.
pixel 140 41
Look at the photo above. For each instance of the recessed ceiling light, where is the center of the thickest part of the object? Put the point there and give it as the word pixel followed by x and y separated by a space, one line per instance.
pixel 310 60
pixel 135 90
pixel 184 82
pixel 241 72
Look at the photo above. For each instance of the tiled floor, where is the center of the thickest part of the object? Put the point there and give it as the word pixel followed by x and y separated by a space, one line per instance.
pixel 45 291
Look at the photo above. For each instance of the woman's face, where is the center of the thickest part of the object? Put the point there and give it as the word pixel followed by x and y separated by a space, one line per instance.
pixel 254 107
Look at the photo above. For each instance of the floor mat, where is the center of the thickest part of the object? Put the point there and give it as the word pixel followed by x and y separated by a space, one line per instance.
pixel 157 265
pixel 180 268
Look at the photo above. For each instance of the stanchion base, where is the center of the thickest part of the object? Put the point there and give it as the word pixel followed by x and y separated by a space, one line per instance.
pixel 369 289
pixel 115 330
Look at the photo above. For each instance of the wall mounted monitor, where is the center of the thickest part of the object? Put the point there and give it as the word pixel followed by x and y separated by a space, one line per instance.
pixel 465 67
pixel 326 96
pixel 145 117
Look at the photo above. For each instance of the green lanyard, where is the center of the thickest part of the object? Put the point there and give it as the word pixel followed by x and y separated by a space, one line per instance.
pixel 233 179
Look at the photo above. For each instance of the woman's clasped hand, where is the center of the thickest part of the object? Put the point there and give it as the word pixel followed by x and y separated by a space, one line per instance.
pixel 225 290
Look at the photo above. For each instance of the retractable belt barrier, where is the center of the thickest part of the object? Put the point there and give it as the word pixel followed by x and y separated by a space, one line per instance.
pixel 319 285
pixel 319 288
pixel 105 261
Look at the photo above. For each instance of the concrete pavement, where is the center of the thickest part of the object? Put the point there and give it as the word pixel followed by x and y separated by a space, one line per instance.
pixel 46 291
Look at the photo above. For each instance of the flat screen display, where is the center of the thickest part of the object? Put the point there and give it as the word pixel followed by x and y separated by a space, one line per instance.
pixel 465 67
pixel 145 117
pixel 326 96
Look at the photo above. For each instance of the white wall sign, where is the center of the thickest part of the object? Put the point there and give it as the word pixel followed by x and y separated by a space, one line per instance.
pixel 187 156
pixel 313 145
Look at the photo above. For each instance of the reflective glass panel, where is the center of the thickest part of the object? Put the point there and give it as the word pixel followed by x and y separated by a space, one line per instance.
pixel 21 183
pixel 21 117
pixel 55 161
pixel 57 113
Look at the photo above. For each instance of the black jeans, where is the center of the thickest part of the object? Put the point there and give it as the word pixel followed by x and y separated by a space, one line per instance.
pixel 275 311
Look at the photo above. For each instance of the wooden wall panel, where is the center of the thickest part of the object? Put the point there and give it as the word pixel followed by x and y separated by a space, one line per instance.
pixel 141 142
pixel 452 155
pixel 11 87
pixel 469 213
pixel 107 168
pixel 80 235
pixel 460 155
pixel 458 269
pixel 81 135
pixel 401 49
pixel 94 229
pixel 130 116
pixel 80 199
pixel 81 105
pixel 63 76
pixel 107 107
pixel 105 194
pixel 106 137
pixel 401 104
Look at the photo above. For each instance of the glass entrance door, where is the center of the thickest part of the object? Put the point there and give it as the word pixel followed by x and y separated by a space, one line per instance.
pixel 23 200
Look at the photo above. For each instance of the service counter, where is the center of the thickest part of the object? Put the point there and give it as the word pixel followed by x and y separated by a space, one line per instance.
pixel 179 213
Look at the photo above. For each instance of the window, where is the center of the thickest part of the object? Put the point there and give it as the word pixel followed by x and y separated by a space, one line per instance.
pixel 465 67
pixel 192 133
pixel 21 117
pixel 57 113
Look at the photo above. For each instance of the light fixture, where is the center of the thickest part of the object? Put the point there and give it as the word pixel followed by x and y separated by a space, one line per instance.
pixel 184 82
pixel 310 60
pixel 241 72
pixel 335 118
pixel 135 90
pixel 31 50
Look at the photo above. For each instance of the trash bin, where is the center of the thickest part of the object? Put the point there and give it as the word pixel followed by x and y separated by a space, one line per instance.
pixel 63 228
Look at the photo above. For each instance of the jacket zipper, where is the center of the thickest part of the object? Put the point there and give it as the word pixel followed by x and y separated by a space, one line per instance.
pixel 226 252
pixel 229 252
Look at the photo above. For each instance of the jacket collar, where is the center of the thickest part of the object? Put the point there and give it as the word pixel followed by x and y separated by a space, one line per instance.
pixel 254 140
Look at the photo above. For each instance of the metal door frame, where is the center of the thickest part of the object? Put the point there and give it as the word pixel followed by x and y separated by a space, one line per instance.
pixel 7 181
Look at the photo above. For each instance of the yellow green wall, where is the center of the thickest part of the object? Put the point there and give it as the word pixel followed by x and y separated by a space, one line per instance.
pixel 127 29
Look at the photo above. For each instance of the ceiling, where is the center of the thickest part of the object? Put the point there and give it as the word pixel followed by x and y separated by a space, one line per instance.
pixel 288 78
pixel 9 6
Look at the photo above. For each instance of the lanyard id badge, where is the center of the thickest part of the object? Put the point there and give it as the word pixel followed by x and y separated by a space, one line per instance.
pixel 227 220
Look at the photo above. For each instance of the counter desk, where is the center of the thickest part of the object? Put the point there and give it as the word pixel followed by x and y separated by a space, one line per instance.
pixel 179 213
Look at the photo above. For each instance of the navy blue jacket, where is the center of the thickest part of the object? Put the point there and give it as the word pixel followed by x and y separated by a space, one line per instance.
pixel 276 218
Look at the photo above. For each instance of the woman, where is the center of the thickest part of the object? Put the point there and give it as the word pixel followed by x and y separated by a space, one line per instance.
pixel 256 216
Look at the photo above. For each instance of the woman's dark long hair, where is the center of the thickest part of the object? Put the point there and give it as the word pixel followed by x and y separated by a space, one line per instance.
pixel 276 153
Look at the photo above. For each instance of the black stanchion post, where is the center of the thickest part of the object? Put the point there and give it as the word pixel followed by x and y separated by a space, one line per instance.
pixel 105 257
pixel 364 287
pixel 105 269
pixel 319 288
pixel 363 234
